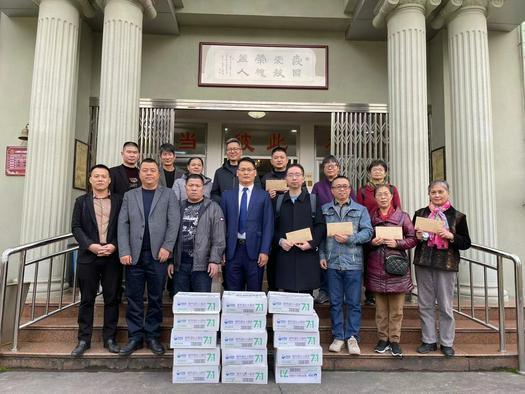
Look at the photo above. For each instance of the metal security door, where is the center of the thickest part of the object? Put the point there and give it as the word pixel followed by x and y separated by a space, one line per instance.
pixel 357 138
pixel 156 127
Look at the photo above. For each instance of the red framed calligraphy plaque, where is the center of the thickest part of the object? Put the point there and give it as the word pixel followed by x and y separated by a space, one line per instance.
pixel 15 160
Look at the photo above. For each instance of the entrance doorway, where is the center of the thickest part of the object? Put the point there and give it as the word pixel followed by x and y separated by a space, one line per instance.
pixel 355 134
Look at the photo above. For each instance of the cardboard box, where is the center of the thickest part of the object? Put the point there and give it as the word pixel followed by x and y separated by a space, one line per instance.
pixel 196 321
pixel 241 321
pixel 280 302
pixel 244 339
pixel 245 374
pixel 244 302
pixel 186 302
pixel 195 374
pixel 292 322
pixel 299 356
pixel 197 356
pixel 244 356
pixel 193 339
pixel 295 338
pixel 297 374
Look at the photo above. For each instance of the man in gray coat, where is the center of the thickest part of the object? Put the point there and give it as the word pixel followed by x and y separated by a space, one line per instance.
pixel 201 242
pixel 147 231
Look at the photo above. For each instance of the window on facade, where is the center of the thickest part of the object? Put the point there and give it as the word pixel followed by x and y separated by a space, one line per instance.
pixel 189 140
pixel 258 142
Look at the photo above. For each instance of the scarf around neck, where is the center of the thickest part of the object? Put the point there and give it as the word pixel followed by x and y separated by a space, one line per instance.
pixel 438 213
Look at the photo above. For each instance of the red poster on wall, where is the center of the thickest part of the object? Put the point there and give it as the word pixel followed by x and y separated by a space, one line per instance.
pixel 15 160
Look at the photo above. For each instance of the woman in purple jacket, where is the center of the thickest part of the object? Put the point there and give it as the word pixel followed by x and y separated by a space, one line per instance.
pixel 389 289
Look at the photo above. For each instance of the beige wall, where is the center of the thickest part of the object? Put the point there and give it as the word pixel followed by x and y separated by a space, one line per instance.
pixel 357 70
pixel 509 140
pixel 17 45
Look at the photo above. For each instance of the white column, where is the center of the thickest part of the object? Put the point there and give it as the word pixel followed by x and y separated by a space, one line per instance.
pixel 46 207
pixel 407 79
pixel 120 77
pixel 471 147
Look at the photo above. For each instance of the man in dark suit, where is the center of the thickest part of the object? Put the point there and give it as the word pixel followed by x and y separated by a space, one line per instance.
pixel 94 225
pixel 147 230
pixel 126 176
pixel 249 221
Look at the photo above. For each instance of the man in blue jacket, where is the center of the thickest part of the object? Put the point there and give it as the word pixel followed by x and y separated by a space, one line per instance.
pixel 342 258
pixel 249 221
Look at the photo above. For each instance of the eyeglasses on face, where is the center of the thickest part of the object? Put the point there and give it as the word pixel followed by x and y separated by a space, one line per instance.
pixel 294 175
pixel 233 150
pixel 341 187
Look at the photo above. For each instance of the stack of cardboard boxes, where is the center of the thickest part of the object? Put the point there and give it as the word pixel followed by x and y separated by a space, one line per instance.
pixel 244 337
pixel 196 355
pixel 298 353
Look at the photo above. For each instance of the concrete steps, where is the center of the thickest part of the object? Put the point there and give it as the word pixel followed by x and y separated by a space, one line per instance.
pixel 47 344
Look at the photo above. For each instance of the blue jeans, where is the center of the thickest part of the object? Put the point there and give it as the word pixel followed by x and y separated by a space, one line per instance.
pixel 345 287
pixel 185 279
pixel 150 271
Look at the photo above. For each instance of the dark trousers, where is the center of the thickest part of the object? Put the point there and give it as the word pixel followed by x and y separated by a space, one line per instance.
pixel 153 273
pixel 243 273
pixel 324 282
pixel 108 272
pixel 271 269
pixel 185 279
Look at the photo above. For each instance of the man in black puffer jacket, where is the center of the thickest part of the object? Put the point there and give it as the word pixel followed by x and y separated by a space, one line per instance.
pixel 225 177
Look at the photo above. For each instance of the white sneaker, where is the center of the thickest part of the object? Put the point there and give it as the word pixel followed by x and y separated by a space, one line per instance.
pixel 353 346
pixel 336 346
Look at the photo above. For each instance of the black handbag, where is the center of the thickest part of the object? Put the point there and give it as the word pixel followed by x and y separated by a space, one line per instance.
pixel 397 265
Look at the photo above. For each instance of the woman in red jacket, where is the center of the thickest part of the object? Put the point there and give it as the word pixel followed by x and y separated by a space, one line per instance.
pixel 377 173
pixel 389 290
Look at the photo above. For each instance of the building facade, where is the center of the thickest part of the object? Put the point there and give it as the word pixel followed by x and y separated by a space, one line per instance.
pixel 403 79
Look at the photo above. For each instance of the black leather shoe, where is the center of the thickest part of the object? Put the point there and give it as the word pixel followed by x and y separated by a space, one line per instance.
pixel 427 348
pixel 448 351
pixel 81 347
pixel 112 346
pixel 130 347
pixel 155 346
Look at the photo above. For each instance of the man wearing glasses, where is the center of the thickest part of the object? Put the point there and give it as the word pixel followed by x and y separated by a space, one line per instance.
pixel 297 263
pixel 225 177
pixel 249 230
pixel 342 259
pixel 323 190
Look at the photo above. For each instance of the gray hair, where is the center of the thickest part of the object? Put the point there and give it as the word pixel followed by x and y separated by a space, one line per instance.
pixel 435 182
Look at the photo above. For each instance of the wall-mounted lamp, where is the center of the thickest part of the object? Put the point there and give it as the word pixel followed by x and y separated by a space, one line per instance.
pixel 24 133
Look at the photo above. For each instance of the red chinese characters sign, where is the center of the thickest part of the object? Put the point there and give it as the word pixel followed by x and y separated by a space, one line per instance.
pixel 261 142
pixel 15 160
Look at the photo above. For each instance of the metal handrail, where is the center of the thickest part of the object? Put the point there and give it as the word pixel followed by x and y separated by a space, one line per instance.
pixel 518 286
pixel 500 255
pixel 22 251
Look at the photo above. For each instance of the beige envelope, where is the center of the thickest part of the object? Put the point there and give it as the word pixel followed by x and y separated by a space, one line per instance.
pixel 428 225
pixel 299 236
pixel 342 228
pixel 385 232
pixel 276 184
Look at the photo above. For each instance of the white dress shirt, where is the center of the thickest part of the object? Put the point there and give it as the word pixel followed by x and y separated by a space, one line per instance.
pixel 248 196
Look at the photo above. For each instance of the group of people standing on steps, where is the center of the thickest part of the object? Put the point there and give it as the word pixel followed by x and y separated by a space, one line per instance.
pixel 165 225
